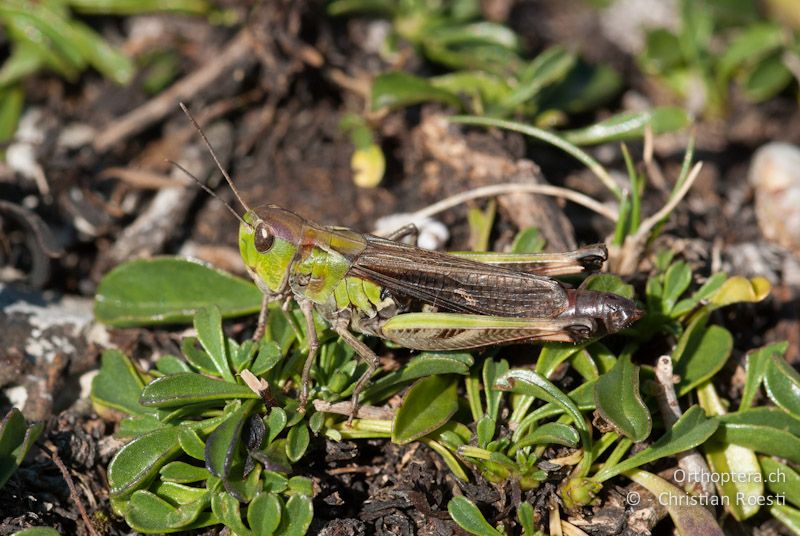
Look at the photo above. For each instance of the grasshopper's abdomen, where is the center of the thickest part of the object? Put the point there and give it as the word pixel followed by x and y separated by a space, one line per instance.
pixel 611 311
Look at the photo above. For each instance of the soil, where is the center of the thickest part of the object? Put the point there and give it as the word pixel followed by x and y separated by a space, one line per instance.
pixel 271 93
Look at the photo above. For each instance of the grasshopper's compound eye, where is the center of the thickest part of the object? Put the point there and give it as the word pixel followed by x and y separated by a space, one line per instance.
pixel 263 239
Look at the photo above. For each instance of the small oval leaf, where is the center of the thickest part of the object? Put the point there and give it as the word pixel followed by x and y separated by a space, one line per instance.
pixel 297 442
pixel 782 382
pixel 619 401
pixel 264 513
pixel 428 405
pixel 551 433
pixel 140 460
pixel 170 290
pixel 178 390
pixel 470 518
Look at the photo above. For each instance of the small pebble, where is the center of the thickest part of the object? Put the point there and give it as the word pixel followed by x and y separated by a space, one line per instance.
pixel 433 234
pixel 775 178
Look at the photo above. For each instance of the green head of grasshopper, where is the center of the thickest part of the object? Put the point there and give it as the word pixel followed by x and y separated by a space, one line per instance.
pixel 269 239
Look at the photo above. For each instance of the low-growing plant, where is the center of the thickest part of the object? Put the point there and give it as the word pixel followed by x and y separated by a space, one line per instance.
pixel 717 45
pixel 16 440
pixel 488 71
pixel 45 35
pixel 212 432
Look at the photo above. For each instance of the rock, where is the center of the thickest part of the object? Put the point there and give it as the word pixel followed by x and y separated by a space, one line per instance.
pixel 775 178
pixel 45 338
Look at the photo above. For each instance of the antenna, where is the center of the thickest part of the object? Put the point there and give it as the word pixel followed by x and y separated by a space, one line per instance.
pixel 209 191
pixel 214 156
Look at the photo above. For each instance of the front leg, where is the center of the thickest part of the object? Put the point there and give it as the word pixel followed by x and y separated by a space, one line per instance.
pixel 367 355
pixel 263 316
pixel 307 307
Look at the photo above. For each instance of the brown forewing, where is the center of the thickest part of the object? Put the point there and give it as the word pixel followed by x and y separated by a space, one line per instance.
pixel 455 284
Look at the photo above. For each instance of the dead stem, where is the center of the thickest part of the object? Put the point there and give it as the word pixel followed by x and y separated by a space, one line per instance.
pixel 184 89
pixel 73 491
pixel 499 189
pixel 691 462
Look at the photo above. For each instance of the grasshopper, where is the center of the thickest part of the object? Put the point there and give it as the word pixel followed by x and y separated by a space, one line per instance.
pixel 416 298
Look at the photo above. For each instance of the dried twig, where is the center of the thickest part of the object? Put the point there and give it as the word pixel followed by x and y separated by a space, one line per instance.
pixel 499 189
pixel 346 408
pixel 165 103
pixel 691 462
pixel 73 491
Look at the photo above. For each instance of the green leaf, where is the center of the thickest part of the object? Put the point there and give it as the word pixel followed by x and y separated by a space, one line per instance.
pixel 550 433
pixel 11 101
pixel 617 397
pixel 399 89
pixel 692 429
pixel 170 290
pixel 530 383
pixel 226 507
pixel 428 405
pixel 118 385
pixel 223 443
pixel 264 514
pixel 630 126
pixel 149 513
pixel 662 51
pixel 608 283
pixel 787 515
pixel 275 482
pixel 755 42
pixel 182 473
pixel 175 493
pixel 208 323
pixel 297 442
pixel 743 491
pixel 553 354
pixel 135 7
pixel 269 354
pixel 37 531
pixel 525 515
pixel 549 67
pixel 141 459
pixel 709 287
pixel 109 61
pixel 470 518
pixel 676 280
pixel 298 514
pixel 421 366
pixel 302 485
pixel 178 390
pixel 485 430
pixel 762 437
pixel 477 85
pixel 757 363
pixel 276 422
pixel 12 434
pixel 169 364
pixel 191 444
pixel 480 226
pixel 491 371
pixel 768 78
pixel 766 416
pixel 782 383
pixel 782 480
pixel 703 358
pixel 528 240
